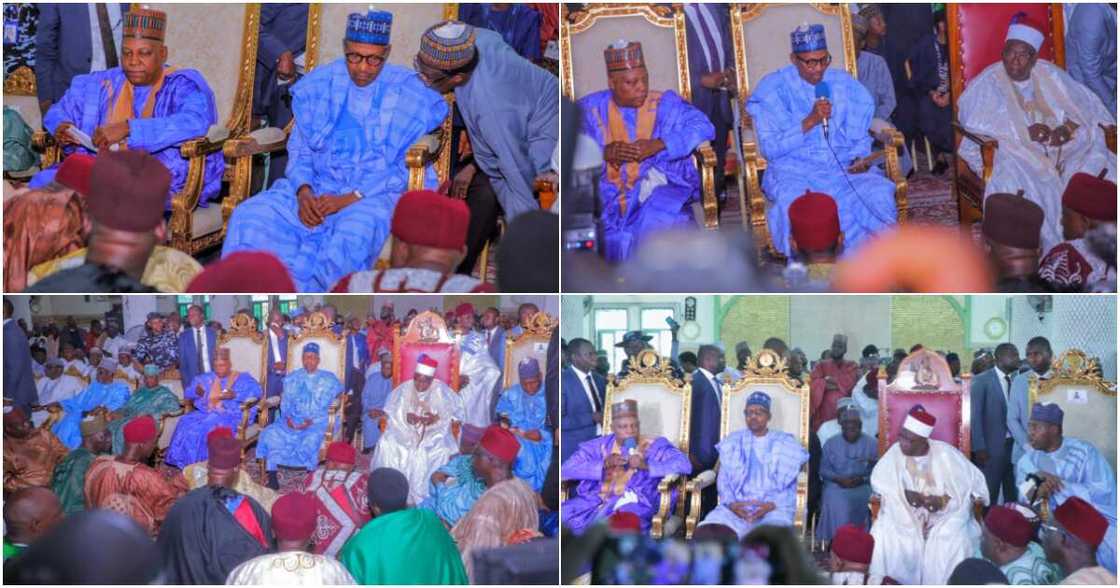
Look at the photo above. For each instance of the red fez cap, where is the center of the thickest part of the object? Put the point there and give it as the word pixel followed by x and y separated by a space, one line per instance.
pixel 218 433
pixel 464 309
pixel 244 271
pixel 624 521
pixel 140 429
pixel 1091 196
pixel 223 452
pixel 851 543
pixel 1009 524
pixel 814 221
pixel 75 171
pixel 431 219
pixel 1013 221
pixel 500 443
pixel 1082 520
pixel 341 452
pixel 294 516
pixel 128 191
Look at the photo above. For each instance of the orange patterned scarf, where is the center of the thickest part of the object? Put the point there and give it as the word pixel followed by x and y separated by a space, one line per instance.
pixel 616 132
pixel 616 480
pixel 215 399
pixel 121 109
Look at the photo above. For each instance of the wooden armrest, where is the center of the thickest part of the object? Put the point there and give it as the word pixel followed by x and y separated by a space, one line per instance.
pixel 706 164
pixel 694 490
pixel 187 404
pixel 243 427
pixel 1110 136
pixel 423 151
pixel 201 146
pixel 705 479
pixel 265 140
pixel 40 140
pixel 978 138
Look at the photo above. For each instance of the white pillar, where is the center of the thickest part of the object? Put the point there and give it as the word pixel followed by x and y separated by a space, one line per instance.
pixel 135 309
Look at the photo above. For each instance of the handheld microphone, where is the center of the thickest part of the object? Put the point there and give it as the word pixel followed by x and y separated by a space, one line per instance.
pixel 824 93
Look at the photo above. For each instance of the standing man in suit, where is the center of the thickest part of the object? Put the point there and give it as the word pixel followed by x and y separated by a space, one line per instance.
pixel 283 41
pixel 496 341
pixel 277 357
pixel 19 379
pixel 197 344
pixel 992 443
pixel 357 360
pixel 703 431
pixel 74 39
pixel 583 392
pixel 711 69
pixel 1039 357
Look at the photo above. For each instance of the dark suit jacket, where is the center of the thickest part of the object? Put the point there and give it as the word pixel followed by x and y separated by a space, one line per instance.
pixel 356 340
pixel 989 413
pixel 703 432
pixel 498 347
pixel 275 383
pixel 19 380
pixel 63 48
pixel 717 105
pixel 188 355
pixel 283 28
pixel 577 421
pixel 552 381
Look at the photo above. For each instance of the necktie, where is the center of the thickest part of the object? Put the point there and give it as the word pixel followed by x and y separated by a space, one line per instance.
pixel 1007 378
pixel 598 404
pixel 106 35
pixel 198 347
pixel 719 392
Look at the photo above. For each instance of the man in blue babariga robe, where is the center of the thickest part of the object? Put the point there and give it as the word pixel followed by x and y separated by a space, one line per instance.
pixel 846 463
pixel 143 105
pixel 758 471
pixel 375 394
pixel 457 485
pixel 619 472
pixel 102 392
pixel 294 439
pixel 217 398
pixel 1068 467
pixel 511 108
pixel 647 138
pixel 524 410
pixel 789 120
pixel 518 24
pixel 355 119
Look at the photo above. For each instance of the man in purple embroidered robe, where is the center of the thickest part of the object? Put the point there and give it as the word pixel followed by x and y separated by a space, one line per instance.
pixel 619 472
pixel 647 140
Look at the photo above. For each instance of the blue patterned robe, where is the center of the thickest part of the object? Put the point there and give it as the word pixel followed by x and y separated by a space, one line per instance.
pixel 111 396
pixel 1085 473
pixel 375 394
pixel 682 127
pixel 758 468
pixel 188 444
pixel 839 505
pixel 591 502
pixel 453 499
pixel 184 110
pixel 527 412
pixel 306 396
pixel 345 138
pixel 796 162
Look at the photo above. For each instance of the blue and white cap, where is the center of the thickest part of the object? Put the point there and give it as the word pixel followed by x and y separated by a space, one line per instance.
pixel 808 37
pixel 372 27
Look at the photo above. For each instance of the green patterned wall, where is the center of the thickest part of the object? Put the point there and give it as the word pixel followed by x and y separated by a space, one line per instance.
pixel 932 321
pixel 753 319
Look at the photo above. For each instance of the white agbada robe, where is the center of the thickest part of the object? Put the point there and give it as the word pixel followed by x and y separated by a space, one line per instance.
pixel 902 550
pixel 996 106
pixel 475 362
pixel 418 451
pixel 51 391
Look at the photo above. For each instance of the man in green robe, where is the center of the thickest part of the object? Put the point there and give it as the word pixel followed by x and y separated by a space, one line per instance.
pixel 150 398
pixel 401 545
pixel 68 482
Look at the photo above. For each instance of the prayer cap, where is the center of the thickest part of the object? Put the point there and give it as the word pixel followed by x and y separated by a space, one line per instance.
pixel 99 350
pixel 448 45
pixel 529 368
pixel 870 11
pixel 851 543
pixel 55 362
pixel 341 453
pixel 976 571
pixel 311 348
pixel 758 398
pixel 623 55
pixel 151 369
pixel 1009 525
pixel 431 219
pixel 859 25
pixel 109 364
pixel 841 338
pixel 383 351
pixel 126 349
pixel 145 23
pixel 845 403
pixel 224 452
pixel 1047 412
pixel 92 425
pixel 218 433
pixel 128 191
pixel 464 309
pixel 1091 196
pixel 294 516
pixel 807 38
pixel 1013 221
pixel 243 272
pixel 1082 520
pixel 814 221
pixel 372 27
pixel 500 443
pixel 624 521
pixel 387 489
pixel 1026 30
pixel 919 422
pixel 75 171
pixel 624 408
pixel 222 353
pixel 140 429
pixel 426 366
pixel 633 336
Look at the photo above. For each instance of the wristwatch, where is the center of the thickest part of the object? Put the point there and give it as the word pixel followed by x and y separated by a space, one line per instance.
pixel 358 193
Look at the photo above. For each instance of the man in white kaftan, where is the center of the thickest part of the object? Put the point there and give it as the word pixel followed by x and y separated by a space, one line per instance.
pixel 477 371
pixel 418 439
pixel 54 388
pixel 1047 125
pixel 926 524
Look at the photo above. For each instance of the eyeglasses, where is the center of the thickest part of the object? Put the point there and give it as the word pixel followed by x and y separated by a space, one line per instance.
pixel 822 62
pixel 372 59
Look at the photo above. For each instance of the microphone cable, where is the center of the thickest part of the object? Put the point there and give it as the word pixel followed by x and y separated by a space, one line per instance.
pixel 859 197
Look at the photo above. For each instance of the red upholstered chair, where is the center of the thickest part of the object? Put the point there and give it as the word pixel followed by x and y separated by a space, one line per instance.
pixel 427 334
pixel 976 38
